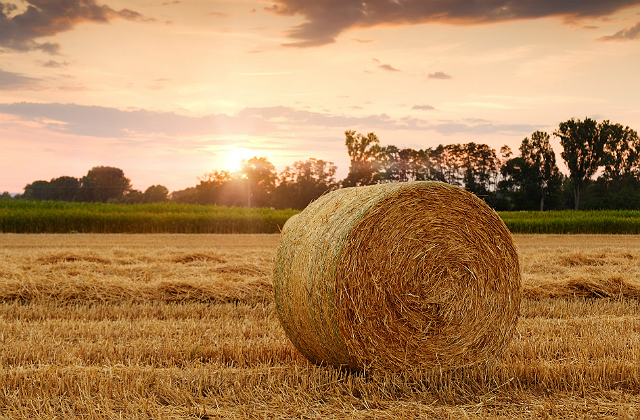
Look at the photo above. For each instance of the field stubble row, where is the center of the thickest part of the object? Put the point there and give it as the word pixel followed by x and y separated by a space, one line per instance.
pixel 172 326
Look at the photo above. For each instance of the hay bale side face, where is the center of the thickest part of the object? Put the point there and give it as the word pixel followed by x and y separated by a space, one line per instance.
pixel 398 276
pixel 430 276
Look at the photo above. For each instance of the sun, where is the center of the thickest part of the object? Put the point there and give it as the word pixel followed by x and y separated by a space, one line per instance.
pixel 235 157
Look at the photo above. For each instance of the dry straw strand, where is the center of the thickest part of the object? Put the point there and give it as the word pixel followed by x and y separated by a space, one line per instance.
pixel 289 222
pixel 398 276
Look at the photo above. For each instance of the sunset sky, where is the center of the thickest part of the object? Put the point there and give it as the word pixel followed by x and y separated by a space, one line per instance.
pixel 169 90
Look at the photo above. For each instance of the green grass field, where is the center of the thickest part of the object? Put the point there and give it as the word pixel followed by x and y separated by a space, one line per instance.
pixel 64 217
pixel 571 221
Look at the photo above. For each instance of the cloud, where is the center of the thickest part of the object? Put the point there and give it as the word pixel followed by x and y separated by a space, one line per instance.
pixel 388 67
pixel 439 75
pixel 54 64
pixel 48 47
pixel 362 41
pixel 44 18
pixel 96 121
pixel 16 81
pixel 624 35
pixel 295 117
pixel 218 14
pixel 423 107
pixel 325 20
pixel 100 121
pixel 470 127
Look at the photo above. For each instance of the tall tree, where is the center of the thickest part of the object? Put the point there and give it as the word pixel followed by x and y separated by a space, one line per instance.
pixel 540 157
pixel 402 165
pixel 364 152
pixel 304 182
pixel 187 196
pixel 155 194
pixel 38 190
pixel 533 175
pixel 104 183
pixel 480 164
pixel 452 160
pixel 215 188
pixel 621 158
pixel 439 162
pixel 583 146
pixel 65 188
pixel 260 175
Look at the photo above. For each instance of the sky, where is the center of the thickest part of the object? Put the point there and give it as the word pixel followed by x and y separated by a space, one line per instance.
pixel 171 90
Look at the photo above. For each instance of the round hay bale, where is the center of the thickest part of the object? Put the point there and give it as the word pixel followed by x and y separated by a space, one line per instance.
pixel 288 223
pixel 398 276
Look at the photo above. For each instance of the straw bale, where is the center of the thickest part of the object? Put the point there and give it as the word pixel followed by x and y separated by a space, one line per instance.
pixel 396 277
pixel 289 222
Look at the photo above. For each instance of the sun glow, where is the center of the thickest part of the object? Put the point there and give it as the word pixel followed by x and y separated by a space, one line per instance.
pixel 235 157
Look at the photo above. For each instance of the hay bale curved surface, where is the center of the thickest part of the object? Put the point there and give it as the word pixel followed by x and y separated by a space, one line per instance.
pixel 398 276
pixel 288 223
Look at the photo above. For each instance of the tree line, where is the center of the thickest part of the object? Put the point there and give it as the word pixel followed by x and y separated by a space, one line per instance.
pixel 603 160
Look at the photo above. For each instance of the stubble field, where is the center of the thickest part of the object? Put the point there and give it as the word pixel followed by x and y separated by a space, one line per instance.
pixel 184 326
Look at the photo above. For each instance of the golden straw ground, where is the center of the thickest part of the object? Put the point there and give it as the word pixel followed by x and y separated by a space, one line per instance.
pixel 396 277
pixel 75 356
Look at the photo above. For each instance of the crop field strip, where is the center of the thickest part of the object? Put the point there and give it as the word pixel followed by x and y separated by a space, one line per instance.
pixel 68 217
pixel 20 216
pixel 175 326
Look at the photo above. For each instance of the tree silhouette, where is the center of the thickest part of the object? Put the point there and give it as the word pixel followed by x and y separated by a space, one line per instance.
pixel 583 147
pixel 104 183
pixel 402 165
pixel 540 157
pixel 155 194
pixel 304 182
pixel 214 189
pixel 364 152
pixel 533 175
pixel 480 165
pixel 260 176
pixel 38 190
pixel 65 188
pixel 621 158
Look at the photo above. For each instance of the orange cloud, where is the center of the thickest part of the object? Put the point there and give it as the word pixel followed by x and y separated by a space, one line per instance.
pixel 325 20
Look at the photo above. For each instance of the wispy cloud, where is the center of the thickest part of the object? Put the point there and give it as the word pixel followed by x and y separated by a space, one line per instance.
pixel 325 20
pixel 471 127
pixel 17 81
pixel 388 67
pixel 54 64
pixel 624 35
pixel 439 75
pixel 423 107
pixel 44 18
pixel 98 121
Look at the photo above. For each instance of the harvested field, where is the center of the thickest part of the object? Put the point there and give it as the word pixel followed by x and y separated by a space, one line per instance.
pixel 184 326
